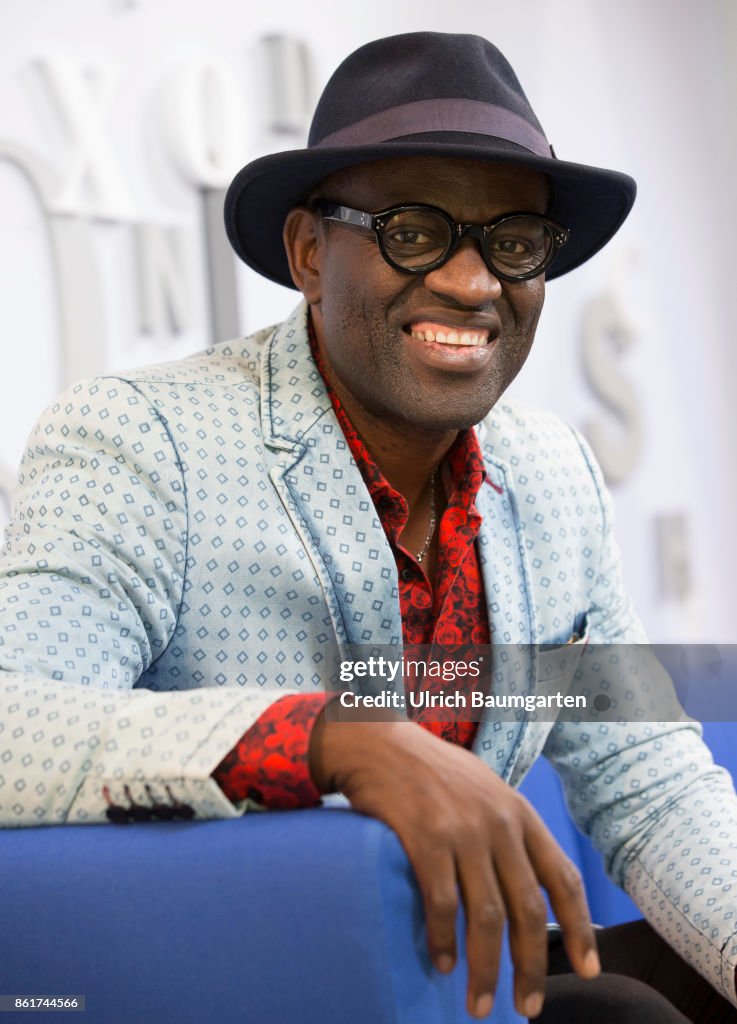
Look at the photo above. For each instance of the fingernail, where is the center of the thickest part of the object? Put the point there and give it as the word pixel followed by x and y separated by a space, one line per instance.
pixel 591 964
pixel 533 1004
pixel 482 1006
pixel 444 963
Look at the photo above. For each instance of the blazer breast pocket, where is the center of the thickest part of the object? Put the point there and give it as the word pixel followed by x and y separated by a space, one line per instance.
pixel 557 664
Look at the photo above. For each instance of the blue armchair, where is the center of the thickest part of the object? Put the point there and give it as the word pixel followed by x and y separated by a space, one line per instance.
pixel 301 917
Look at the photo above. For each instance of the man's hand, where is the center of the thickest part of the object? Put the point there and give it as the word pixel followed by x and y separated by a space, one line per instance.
pixel 464 831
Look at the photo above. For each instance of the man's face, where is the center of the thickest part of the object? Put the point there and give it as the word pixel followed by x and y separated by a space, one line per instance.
pixel 374 323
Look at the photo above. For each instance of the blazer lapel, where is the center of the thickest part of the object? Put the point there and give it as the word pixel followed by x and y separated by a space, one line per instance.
pixel 325 496
pixel 511 609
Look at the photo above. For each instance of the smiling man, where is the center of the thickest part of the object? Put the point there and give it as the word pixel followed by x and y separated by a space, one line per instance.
pixel 440 326
pixel 192 544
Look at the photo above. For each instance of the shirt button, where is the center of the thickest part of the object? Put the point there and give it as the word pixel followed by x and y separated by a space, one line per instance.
pixel 407 575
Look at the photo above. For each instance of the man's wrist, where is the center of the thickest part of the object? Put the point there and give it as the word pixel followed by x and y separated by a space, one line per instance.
pixel 338 737
pixel 315 756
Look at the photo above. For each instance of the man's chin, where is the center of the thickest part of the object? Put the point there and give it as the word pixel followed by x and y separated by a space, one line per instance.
pixel 447 421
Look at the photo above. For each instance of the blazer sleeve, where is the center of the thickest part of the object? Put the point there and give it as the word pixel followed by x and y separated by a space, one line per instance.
pixel 92 578
pixel 647 791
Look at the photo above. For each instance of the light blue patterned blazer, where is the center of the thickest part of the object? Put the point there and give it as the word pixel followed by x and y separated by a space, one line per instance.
pixel 193 540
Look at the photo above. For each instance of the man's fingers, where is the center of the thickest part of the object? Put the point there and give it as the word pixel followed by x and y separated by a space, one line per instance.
pixel 463 827
pixel 527 912
pixel 436 877
pixel 485 915
pixel 564 885
pixel 568 901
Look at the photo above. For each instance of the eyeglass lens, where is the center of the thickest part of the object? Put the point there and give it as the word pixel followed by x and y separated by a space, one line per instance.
pixel 417 237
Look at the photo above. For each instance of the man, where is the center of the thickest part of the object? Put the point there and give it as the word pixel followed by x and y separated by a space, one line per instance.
pixel 193 544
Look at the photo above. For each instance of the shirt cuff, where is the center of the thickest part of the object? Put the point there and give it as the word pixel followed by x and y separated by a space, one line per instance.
pixel 270 762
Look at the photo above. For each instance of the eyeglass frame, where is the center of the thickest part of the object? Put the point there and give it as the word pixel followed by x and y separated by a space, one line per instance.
pixel 376 222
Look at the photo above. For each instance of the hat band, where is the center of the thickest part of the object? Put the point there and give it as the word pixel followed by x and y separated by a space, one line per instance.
pixel 449 115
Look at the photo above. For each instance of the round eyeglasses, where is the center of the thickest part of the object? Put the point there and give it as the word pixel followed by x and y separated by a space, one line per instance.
pixel 416 238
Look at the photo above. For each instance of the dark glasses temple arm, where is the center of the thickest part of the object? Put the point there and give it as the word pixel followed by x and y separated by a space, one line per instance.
pixel 334 211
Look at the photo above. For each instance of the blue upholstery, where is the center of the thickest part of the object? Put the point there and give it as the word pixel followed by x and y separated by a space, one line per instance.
pixel 306 917
pixel 607 903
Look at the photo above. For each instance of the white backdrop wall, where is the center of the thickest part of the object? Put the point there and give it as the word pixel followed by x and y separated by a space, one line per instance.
pixel 119 119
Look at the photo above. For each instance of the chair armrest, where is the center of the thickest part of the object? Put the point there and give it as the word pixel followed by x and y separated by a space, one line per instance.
pixel 297 917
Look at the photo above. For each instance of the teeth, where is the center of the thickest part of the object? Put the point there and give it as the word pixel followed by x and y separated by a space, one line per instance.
pixel 450 337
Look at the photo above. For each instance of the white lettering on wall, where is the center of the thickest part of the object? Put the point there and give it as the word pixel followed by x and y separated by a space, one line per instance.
pixel 221 279
pixel 203 121
pixel 75 267
pixel 92 182
pixel 606 335
pixel 164 281
pixel 673 556
pixel 289 78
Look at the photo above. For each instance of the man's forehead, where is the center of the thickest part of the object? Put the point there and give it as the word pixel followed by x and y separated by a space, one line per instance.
pixel 433 179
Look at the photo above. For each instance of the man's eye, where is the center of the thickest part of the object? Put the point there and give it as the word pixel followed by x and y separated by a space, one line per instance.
pixel 409 236
pixel 513 246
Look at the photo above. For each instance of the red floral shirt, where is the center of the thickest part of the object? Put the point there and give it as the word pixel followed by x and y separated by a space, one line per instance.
pixel 270 762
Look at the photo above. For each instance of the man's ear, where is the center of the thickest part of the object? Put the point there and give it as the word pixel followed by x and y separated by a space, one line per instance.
pixel 303 241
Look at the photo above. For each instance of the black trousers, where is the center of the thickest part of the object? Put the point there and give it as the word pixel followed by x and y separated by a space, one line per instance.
pixel 643 981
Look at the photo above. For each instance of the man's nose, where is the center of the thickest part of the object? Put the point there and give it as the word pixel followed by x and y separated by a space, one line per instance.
pixel 465 277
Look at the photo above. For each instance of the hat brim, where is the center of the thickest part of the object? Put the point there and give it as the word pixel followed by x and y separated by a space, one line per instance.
pixel 591 202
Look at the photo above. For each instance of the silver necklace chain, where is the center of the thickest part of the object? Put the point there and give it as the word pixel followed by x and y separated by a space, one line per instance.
pixel 433 519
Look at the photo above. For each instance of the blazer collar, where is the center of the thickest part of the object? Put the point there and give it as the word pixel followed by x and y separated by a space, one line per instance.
pixel 510 603
pixel 325 495
pixel 293 394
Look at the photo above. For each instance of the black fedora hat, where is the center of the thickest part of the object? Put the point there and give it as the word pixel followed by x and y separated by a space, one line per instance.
pixel 421 94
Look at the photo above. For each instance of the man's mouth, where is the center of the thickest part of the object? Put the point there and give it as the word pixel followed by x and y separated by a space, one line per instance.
pixel 445 334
